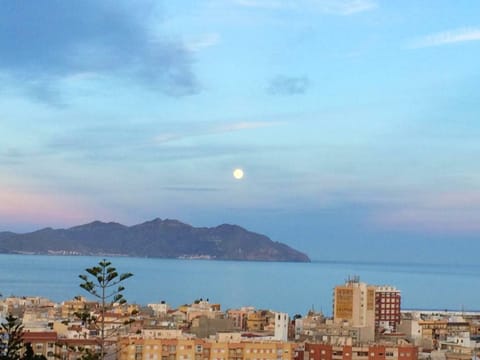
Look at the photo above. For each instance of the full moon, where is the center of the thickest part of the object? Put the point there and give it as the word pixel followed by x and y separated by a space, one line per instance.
pixel 238 174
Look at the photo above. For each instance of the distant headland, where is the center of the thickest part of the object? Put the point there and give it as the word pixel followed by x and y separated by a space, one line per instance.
pixel 156 238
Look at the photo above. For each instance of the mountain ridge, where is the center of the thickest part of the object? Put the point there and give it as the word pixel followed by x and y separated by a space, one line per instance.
pixel 167 238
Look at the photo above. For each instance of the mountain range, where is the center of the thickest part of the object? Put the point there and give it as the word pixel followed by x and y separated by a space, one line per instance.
pixel 156 238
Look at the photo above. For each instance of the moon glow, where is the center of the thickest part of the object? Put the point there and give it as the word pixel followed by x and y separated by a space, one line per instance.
pixel 238 174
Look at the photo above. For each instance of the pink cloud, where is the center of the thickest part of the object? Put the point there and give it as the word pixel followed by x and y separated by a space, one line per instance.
pixel 446 212
pixel 48 209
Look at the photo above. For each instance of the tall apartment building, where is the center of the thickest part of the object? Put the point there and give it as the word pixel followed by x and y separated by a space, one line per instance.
pixel 387 308
pixel 363 305
pixel 354 302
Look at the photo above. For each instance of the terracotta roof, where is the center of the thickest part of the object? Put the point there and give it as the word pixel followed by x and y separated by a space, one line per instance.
pixel 79 341
pixel 39 336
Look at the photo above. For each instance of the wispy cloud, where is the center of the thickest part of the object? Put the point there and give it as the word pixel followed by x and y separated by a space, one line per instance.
pixel 351 7
pixel 11 156
pixel 23 206
pixel 244 125
pixel 190 189
pixel 89 37
pixel 334 7
pixel 446 37
pixel 195 130
pixel 437 213
pixel 202 42
pixel 287 85
pixel 272 4
pixel 119 142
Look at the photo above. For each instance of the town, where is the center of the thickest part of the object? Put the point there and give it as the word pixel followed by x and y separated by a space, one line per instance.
pixel 367 324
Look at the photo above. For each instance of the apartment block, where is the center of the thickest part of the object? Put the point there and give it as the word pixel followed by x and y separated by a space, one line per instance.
pixel 42 342
pixel 361 305
pixel 354 302
pixel 387 309
pixel 199 349
pixel 367 352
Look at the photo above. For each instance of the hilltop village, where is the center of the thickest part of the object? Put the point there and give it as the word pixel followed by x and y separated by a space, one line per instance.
pixel 367 324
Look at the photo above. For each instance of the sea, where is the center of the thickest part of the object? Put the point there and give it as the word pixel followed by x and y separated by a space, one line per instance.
pixel 294 288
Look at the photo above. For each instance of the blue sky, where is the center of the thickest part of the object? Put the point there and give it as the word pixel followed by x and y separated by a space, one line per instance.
pixel 355 121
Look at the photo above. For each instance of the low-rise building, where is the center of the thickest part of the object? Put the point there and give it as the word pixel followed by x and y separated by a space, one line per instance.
pixel 201 349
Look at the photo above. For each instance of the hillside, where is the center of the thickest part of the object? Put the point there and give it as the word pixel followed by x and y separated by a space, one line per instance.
pixel 156 238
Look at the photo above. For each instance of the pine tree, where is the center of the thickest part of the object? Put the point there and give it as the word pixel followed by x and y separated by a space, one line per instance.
pixel 104 282
pixel 12 343
pixel 30 355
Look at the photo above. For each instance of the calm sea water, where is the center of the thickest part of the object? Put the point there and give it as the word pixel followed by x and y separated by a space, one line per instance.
pixel 288 287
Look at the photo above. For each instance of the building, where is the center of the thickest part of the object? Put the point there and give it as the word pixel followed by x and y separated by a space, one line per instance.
pixel 258 320
pixel 281 327
pixel 239 316
pixel 387 309
pixel 354 303
pixel 204 327
pixel 200 349
pixel 42 342
pixel 361 305
pixel 461 347
pixel 366 352
pixel 159 309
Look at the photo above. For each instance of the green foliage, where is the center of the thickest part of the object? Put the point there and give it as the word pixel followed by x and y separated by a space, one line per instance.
pixel 12 344
pixel 103 282
pixel 90 355
pixel 30 355
pixel 13 347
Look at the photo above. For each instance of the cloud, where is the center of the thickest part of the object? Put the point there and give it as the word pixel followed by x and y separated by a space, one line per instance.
pixel 284 85
pixel 190 189
pixel 194 130
pixel 135 141
pixel 202 42
pixel 48 41
pixel 23 206
pixel 450 212
pixel 446 37
pixel 351 7
pixel 244 125
pixel 334 7
pixel 268 4
pixel 21 156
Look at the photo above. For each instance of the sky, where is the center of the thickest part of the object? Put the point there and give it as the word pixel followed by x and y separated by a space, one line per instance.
pixel 356 122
